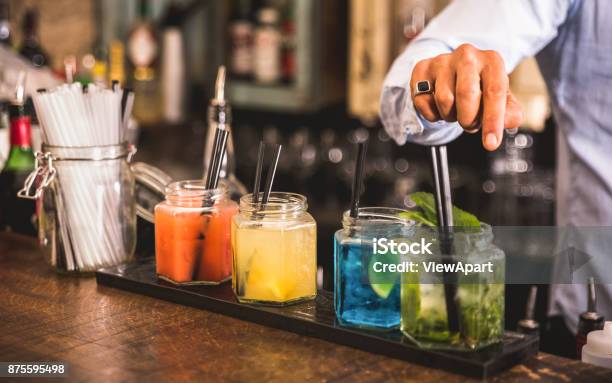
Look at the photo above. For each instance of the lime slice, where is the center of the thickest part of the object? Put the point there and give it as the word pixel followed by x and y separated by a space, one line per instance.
pixel 383 282
pixel 382 289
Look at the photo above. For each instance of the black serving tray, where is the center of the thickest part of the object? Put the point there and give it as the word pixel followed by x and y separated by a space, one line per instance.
pixel 316 318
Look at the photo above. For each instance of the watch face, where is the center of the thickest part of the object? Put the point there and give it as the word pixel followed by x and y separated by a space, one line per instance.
pixel 142 47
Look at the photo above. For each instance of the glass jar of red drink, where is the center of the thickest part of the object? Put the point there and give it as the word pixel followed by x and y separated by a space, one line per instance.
pixel 192 234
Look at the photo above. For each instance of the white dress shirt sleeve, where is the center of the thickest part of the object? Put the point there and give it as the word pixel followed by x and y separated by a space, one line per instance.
pixel 516 29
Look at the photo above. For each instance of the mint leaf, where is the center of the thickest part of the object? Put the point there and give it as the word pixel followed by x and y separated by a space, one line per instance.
pixel 419 217
pixel 427 213
pixel 427 204
pixel 462 218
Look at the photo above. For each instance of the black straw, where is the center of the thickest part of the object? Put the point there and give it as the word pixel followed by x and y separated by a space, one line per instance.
pixel 124 97
pixel 444 212
pixel 271 174
pixel 362 147
pixel 213 159
pixel 444 204
pixel 224 134
pixel 260 160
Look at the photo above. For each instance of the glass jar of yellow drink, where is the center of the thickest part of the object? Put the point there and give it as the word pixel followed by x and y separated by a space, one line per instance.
pixel 274 251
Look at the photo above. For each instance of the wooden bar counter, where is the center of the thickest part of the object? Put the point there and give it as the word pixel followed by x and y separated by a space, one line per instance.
pixel 108 335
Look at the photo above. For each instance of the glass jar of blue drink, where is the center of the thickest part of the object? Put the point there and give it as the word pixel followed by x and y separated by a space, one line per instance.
pixel 363 296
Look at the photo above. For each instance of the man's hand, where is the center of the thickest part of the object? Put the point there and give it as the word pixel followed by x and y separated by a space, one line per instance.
pixel 471 87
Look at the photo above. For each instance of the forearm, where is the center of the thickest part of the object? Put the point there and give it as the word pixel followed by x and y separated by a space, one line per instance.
pixel 485 25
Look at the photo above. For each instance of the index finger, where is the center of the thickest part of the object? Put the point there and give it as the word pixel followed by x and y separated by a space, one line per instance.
pixel 494 91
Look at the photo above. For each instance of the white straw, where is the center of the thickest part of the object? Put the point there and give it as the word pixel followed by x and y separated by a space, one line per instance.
pixel 89 212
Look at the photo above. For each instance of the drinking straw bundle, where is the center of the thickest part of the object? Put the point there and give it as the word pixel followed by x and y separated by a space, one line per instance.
pixel 76 116
pixel 90 210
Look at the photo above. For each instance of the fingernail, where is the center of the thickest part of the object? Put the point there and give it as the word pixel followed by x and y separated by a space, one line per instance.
pixel 491 141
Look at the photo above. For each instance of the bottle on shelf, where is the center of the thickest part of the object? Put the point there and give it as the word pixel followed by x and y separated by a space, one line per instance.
pixel 142 44
pixel 288 61
pixel 598 349
pixel 4 133
pixel 85 74
pixel 116 62
pixel 99 72
pixel 267 48
pixel 100 52
pixel 143 49
pixel 173 65
pixel 16 214
pixel 70 68
pixel 241 31
pixel 5 25
pixel 30 47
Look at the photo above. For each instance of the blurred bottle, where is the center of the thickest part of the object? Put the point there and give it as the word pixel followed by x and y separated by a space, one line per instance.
pixel 16 214
pixel 70 68
pixel 99 71
pixel 142 44
pixel 598 349
pixel 116 62
pixel 220 117
pixel 415 22
pixel 241 30
pixel 4 133
pixel 5 25
pixel 289 42
pixel 173 66
pixel 589 320
pixel 30 47
pixel 267 52
pixel 528 325
pixel 100 66
pixel 143 50
pixel 85 75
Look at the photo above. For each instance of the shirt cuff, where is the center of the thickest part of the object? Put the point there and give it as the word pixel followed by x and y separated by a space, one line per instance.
pixel 403 123
pixel 397 113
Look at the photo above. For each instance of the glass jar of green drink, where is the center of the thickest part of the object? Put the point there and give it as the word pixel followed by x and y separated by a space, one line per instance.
pixel 479 272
